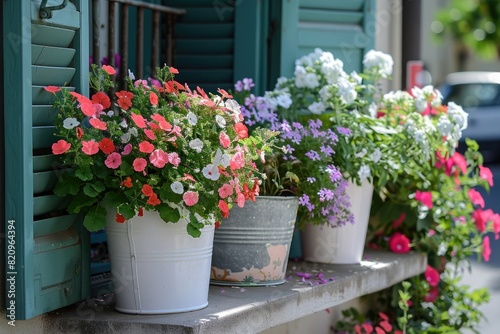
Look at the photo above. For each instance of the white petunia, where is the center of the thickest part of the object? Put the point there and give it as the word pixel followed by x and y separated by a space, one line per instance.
pixel 364 172
pixel 372 109
pixel 70 123
pixel 134 132
pixel 317 108
pixel 376 155
pixel 211 172
pixel 131 75
pixel 196 144
pixel 234 107
pixel 224 161
pixel 177 187
pixel 125 138
pixel 123 124
pixel 284 100
pixel 192 118
pixel 221 122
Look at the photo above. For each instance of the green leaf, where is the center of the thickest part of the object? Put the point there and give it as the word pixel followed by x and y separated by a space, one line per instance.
pixel 67 185
pixel 113 199
pixel 95 219
pixel 80 201
pixel 93 189
pixel 194 230
pixel 445 316
pixel 126 211
pixel 84 173
pixel 167 213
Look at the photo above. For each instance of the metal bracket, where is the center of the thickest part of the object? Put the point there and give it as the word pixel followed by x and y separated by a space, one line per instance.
pixel 46 12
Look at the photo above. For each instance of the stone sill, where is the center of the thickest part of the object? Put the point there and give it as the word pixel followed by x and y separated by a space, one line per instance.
pixel 253 309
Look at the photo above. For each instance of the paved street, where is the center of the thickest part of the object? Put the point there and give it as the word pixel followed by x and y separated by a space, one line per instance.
pixel 488 274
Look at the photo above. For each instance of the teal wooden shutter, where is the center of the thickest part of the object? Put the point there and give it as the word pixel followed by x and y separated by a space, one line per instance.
pixel 345 28
pixel 51 267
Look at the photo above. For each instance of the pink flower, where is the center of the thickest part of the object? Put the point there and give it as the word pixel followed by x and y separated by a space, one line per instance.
pixel 150 134
pixel 109 69
pixel 460 162
pixel 138 120
pixel 190 198
pixel 158 158
pixel 431 295
pixel 496 225
pixel 399 221
pixel 113 161
pixel 481 217
pixel 88 108
pixel 127 149
pixel 237 161
pixel 139 164
pixel 399 243
pixel 153 98
pixel 52 89
pixel 241 130
pixel 174 159
pixel 98 124
pixel 485 174
pixel 432 276
pixel 224 139
pixel 225 191
pixel 476 198
pixel 60 147
pixel 146 147
pixel 486 248
pixel 90 147
pixel 424 197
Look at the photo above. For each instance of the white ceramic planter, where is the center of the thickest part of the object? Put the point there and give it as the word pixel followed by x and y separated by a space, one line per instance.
pixel 157 267
pixel 345 244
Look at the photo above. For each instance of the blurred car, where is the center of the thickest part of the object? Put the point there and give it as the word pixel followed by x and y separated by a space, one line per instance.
pixel 479 95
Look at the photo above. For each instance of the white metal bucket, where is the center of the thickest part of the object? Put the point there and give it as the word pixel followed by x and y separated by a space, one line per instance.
pixel 157 267
pixel 345 244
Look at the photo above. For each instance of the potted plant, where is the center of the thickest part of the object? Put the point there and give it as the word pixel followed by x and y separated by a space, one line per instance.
pixel 158 165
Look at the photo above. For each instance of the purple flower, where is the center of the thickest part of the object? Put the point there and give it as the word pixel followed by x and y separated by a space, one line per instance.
pixel 311 179
pixel 327 150
pixel 344 131
pixel 334 173
pixel 332 136
pixel 304 200
pixel 313 155
pixel 315 124
pixel 325 194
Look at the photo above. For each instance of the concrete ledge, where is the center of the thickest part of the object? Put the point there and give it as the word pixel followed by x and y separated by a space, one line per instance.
pixel 252 309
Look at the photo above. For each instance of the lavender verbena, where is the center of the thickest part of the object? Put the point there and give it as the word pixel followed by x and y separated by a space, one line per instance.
pixel 305 167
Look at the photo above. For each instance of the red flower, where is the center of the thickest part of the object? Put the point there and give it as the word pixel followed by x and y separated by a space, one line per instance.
pixel 459 161
pixel 88 109
pixel 102 99
pixel 485 174
pixel 60 147
pixel 424 197
pixel 124 99
pixel 367 327
pixel 224 208
pixel 106 145
pixel 141 212
pixel 127 182
pixel 399 243
pixel 52 89
pixel 146 147
pixel 153 200
pixel 217 224
pixel 241 130
pixel 432 276
pixel 476 198
pixel 149 133
pixel 379 330
pixel 386 325
pixel 496 225
pixel 79 133
pixel 139 164
pixel 481 217
pixel 147 190
pixel 399 221
pixel 109 69
pixel 98 124
pixel 173 70
pixel 153 98
pixel 486 248
pixel 224 93
pixel 120 219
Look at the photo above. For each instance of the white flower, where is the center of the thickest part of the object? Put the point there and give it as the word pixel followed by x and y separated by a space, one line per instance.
pixel 444 125
pixel 364 172
pixel 376 155
pixel 224 161
pixel 196 144
pixel 379 61
pixel 211 172
pixel 311 80
pixel 458 115
pixel 361 153
pixel 420 105
pixel 284 100
pixel 134 132
pixel 131 75
pixel 234 107
pixel 192 118
pixel 125 138
pixel 442 249
pixel 346 91
pixel 372 109
pixel 325 93
pixel 356 77
pixel 317 108
pixel 70 123
pixel 177 187
pixel 124 124
pixel 221 122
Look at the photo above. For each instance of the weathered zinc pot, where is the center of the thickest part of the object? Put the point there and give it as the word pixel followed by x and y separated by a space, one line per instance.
pixel 252 246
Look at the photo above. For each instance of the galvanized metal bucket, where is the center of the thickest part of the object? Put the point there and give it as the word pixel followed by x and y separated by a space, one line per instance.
pixel 252 246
